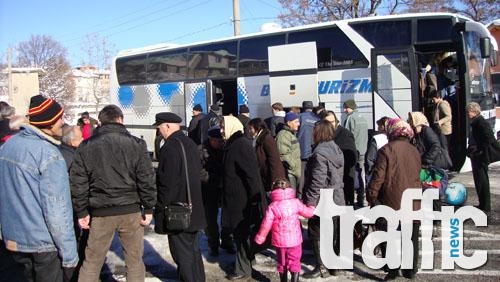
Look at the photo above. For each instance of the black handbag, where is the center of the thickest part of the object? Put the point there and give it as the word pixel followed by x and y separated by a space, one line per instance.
pixel 494 152
pixel 177 216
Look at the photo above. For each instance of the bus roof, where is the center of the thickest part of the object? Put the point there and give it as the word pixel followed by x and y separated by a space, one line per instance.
pixel 167 46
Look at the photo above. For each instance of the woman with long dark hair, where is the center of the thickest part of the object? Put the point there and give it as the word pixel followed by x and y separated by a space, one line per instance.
pixel 324 170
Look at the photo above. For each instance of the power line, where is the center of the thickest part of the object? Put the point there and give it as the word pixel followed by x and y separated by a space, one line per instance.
pixel 114 19
pixel 142 17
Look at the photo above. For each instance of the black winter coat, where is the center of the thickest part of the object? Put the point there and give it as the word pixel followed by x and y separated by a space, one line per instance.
pixel 429 146
pixel 242 182
pixel 112 174
pixel 345 140
pixel 485 140
pixel 171 180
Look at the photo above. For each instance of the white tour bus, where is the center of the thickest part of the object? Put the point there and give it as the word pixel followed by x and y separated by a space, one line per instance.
pixel 387 64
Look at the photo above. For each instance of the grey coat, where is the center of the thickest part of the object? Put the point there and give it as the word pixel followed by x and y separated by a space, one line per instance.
pixel 324 170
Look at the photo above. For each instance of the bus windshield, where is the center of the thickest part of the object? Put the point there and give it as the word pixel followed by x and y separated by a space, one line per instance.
pixel 478 68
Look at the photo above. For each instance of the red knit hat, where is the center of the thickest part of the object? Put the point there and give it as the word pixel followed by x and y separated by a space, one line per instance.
pixel 44 111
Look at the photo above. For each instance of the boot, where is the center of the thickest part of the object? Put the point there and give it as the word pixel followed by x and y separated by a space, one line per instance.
pixel 284 276
pixel 295 277
pixel 315 273
pixel 319 269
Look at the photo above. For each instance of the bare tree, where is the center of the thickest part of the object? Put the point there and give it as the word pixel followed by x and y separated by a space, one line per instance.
pixel 42 51
pixel 484 11
pixel 98 53
pixel 298 12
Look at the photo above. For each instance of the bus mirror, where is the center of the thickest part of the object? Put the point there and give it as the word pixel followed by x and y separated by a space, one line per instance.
pixel 485 46
pixel 494 58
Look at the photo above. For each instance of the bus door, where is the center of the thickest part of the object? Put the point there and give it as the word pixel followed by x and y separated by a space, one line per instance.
pixel 394 83
pixel 225 93
pixel 293 73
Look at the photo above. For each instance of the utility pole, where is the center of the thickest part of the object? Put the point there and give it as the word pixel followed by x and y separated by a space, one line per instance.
pixel 9 76
pixel 236 17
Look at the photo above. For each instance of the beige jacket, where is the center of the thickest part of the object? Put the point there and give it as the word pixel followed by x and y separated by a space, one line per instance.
pixel 442 115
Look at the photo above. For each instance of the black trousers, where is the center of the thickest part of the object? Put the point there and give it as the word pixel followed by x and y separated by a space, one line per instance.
pixel 40 267
pixel 414 240
pixel 186 254
pixel 244 251
pixel 482 183
pixel 313 231
pixel 211 200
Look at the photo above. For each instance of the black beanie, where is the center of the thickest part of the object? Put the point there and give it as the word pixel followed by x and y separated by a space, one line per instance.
pixel 44 111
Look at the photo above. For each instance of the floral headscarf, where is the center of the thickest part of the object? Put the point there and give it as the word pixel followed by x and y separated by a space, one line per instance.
pixel 398 128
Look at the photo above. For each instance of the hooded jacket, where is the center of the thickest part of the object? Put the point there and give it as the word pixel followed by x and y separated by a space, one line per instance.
pixel 324 170
pixel 282 216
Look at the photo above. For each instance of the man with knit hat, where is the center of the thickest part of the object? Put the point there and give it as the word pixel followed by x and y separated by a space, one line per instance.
pixel 358 125
pixel 113 189
pixel 33 172
pixel 289 148
pixel 244 118
pixel 194 124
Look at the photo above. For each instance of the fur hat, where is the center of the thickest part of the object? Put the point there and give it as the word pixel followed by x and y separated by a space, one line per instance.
pixel 350 104
pixel 44 111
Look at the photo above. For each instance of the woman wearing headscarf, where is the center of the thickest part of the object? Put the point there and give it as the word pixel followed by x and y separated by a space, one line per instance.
pixel 427 142
pixel 268 157
pixel 397 168
pixel 324 170
pixel 242 193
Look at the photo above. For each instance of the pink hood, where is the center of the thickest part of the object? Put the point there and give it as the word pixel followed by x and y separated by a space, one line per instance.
pixel 282 216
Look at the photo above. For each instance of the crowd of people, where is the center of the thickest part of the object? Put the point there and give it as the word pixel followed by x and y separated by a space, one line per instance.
pixel 71 188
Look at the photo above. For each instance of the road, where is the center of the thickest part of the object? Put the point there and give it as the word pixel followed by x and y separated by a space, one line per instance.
pixel 160 267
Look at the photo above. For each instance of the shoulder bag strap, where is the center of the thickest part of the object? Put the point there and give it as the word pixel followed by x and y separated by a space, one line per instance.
pixel 186 170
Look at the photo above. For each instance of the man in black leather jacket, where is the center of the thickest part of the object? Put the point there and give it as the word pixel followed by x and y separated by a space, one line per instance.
pixel 112 180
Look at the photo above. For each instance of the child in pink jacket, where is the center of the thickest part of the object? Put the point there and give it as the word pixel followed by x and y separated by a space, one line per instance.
pixel 282 215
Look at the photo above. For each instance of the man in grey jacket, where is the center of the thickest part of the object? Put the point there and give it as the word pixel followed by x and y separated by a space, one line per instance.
pixel 358 125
